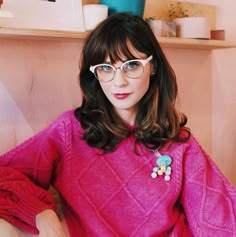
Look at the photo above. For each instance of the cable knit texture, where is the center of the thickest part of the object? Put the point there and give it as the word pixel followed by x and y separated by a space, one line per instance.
pixel 114 194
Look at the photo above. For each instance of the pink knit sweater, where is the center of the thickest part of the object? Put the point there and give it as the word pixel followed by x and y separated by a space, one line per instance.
pixel 114 194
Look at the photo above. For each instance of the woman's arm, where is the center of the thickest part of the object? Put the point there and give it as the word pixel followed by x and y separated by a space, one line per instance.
pixel 49 224
pixel 21 200
pixel 27 206
pixel 209 200
pixel 26 172
pixel 39 155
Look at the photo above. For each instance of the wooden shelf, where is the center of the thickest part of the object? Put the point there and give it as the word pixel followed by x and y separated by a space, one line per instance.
pixel 20 33
pixel 165 42
pixel 168 42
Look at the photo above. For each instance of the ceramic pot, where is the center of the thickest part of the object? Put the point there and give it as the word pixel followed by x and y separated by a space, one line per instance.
pixel 93 15
pixel 193 27
pixel 163 28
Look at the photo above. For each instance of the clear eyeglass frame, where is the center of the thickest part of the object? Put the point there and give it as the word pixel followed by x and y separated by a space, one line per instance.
pixel 109 70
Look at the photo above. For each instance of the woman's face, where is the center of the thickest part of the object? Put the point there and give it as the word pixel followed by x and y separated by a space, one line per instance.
pixel 123 92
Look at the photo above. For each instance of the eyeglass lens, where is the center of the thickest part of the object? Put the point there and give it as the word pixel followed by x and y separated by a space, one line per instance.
pixel 132 69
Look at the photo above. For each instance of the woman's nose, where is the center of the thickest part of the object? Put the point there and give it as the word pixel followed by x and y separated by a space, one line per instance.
pixel 119 78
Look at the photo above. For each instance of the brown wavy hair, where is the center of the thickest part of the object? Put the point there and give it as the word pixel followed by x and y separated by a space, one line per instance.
pixel 157 120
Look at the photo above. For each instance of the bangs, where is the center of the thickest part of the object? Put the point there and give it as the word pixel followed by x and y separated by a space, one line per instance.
pixel 120 50
pixel 117 46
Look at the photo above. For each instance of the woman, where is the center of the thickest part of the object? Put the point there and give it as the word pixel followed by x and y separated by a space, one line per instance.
pixel 124 163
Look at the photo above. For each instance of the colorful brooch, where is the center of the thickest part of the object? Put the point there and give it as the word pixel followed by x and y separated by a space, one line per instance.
pixel 163 166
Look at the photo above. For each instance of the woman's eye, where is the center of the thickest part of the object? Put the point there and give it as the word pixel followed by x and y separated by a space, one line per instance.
pixel 105 68
pixel 131 65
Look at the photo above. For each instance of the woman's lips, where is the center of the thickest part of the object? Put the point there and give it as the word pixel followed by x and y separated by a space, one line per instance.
pixel 121 96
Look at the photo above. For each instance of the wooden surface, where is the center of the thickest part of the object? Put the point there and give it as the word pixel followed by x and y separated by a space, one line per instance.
pixel 90 2
pixel 167 42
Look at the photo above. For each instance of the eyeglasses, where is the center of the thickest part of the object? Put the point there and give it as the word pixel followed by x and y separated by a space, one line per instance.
pixel 132 68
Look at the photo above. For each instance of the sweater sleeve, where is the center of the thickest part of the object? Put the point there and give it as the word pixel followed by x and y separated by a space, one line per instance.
pixel 38 156
pixel 26 173
pixel 21 200
pixel 209 200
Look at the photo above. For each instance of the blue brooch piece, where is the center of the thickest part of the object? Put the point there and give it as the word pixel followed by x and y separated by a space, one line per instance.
pixel 163 166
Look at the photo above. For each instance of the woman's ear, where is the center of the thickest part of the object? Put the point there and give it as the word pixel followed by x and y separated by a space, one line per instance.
pixel 153 71
pixel 153 68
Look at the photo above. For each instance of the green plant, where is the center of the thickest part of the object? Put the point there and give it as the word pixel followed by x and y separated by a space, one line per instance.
pixel 152 18
pixel 177 10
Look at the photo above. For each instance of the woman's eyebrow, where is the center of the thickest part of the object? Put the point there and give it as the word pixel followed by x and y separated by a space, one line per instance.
pixel 106 62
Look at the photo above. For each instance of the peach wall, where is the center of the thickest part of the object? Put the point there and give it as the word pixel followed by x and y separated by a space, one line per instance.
pixel 193 71
pixel 224 111
pixel 38 81
pixel 224 88
pixel 212 121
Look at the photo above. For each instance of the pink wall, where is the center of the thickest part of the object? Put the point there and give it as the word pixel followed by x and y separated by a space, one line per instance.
pixel 224 111
pixel 193 71
pixel 223 91
pixel 210 77
pixel 38 81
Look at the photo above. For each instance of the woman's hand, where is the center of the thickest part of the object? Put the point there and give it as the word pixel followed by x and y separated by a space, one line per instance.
pixel 49 224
